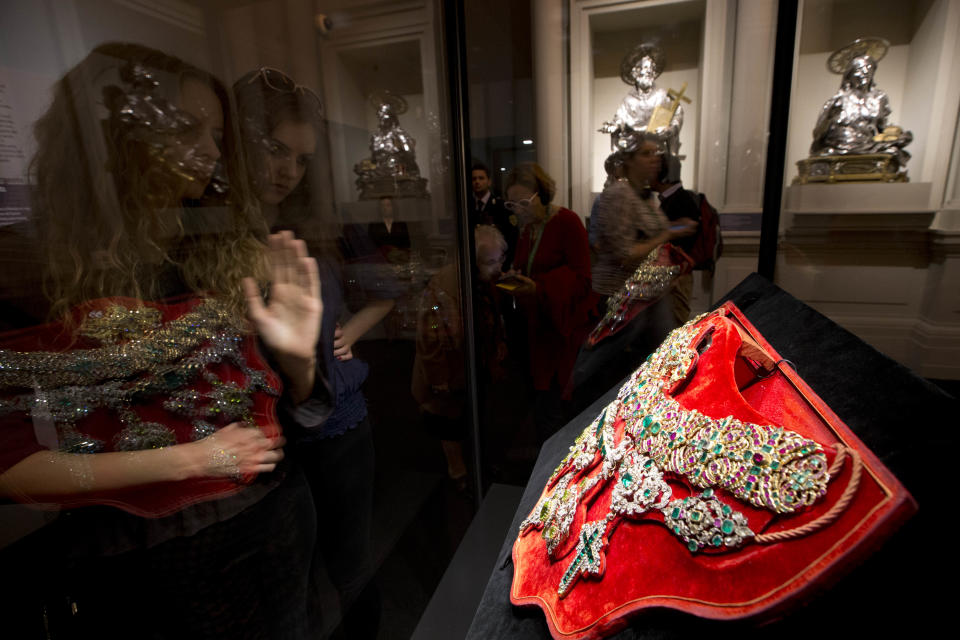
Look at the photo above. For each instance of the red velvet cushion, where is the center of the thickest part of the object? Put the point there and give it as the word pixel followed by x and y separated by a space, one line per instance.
pixel 153 500
pixel 647 566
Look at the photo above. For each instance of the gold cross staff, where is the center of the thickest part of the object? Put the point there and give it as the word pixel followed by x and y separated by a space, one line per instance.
pixel 662 115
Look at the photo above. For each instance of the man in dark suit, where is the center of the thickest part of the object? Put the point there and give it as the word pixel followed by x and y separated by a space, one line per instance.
pixel 488 209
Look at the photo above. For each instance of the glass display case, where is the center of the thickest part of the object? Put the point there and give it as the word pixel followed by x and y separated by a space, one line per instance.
pixel 295 294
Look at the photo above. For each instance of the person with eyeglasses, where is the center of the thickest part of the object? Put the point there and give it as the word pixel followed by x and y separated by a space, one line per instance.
pixel 550 281
pixel 283 129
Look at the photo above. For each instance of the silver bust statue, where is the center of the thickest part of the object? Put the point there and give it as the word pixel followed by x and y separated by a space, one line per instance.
pixel 854 121
pixel 391 169
pixel 640 68
pixel 391 147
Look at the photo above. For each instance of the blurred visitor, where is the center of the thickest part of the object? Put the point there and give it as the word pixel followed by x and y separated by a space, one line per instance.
pixel 438 382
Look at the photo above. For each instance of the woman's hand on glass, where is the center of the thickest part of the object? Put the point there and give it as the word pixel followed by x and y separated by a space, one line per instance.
pixel 289 322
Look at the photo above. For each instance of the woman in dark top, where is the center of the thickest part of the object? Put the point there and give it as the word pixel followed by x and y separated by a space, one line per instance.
pixel 282 128
pixel 149 419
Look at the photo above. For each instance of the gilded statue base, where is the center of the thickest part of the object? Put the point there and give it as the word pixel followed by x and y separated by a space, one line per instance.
pixel 393 187
pixel 868 167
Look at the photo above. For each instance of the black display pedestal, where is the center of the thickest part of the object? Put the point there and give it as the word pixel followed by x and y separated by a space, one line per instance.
pixel 903 587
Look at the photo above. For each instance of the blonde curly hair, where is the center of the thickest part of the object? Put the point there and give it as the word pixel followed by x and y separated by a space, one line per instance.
pixel 108 213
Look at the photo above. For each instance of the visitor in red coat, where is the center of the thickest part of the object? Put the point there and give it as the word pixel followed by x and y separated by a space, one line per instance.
pixel 550 281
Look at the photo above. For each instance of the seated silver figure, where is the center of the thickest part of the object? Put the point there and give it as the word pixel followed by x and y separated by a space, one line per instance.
pixel 855 120
pixel 391 169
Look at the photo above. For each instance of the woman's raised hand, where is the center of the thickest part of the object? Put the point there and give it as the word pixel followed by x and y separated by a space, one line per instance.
pixel 289 322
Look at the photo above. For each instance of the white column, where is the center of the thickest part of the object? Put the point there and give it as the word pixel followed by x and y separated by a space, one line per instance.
pixel 550 82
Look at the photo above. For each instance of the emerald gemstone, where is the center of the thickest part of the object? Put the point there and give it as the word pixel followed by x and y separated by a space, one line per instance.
pixel 774 465
pixel 647 421
pixel 754 470
pixel 655 428
pixel 708 493
pixel 696 516
pixel 648 463
pixel 717 448
pixel 675 513
pixel 692 546
pixel 716 541
pixel 727 527
pixel 726 509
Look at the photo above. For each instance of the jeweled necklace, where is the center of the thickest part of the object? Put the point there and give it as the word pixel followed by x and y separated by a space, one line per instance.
pixel 766 466
pixel 140 357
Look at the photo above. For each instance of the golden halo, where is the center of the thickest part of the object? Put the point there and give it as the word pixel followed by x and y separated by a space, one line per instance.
pixel 876 48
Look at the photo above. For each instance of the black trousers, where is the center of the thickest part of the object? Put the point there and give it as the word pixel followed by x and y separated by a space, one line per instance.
pixel 245 577
pixel 340 471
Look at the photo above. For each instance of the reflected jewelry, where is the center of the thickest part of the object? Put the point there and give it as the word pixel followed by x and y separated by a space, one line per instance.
pixel 78 466
pixel 224 462
pixel 146 116
pixel 140 358
pixel 765 466
pixel 648 282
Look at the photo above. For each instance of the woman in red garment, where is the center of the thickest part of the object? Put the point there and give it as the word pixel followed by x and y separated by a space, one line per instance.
pixel 551 271
pixel 135 397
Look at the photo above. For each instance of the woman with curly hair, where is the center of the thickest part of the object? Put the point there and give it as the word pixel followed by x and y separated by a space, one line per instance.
pixel 136 401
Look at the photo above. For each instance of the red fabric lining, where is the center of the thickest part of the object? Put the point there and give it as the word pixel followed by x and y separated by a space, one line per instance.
pixel 646 566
